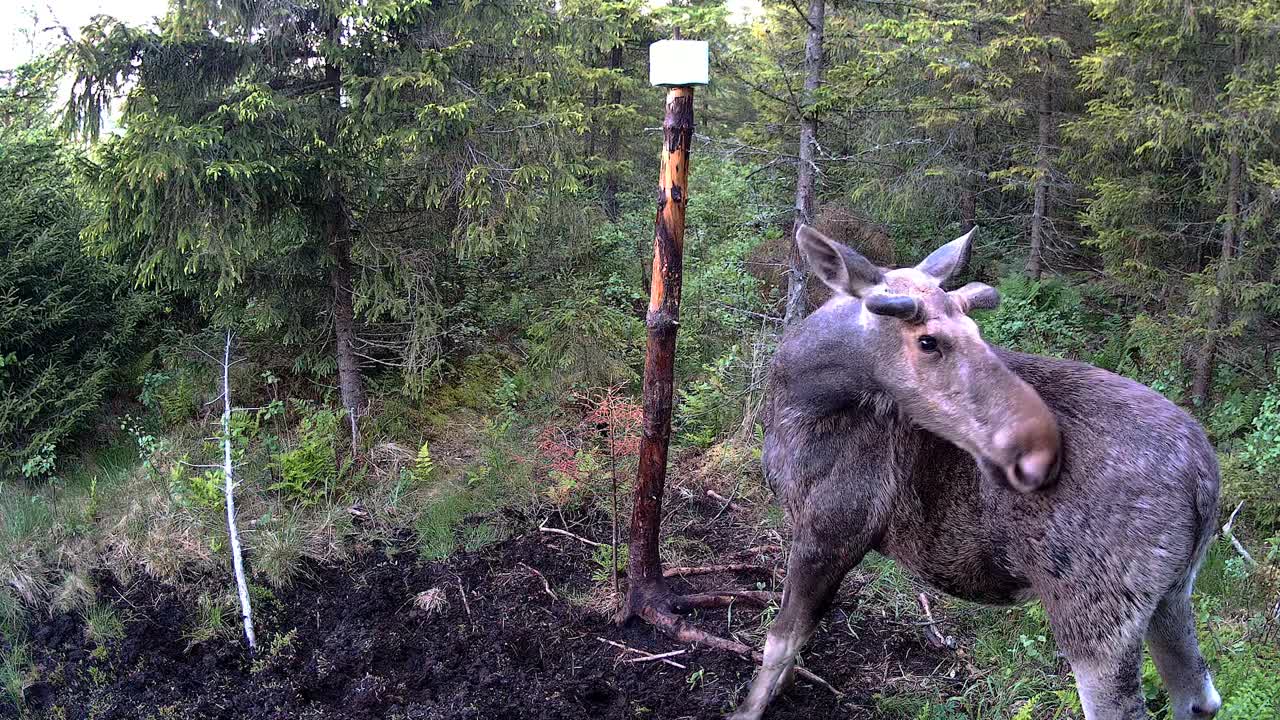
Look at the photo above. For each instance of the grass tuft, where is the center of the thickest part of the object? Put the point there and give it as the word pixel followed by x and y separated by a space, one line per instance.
pixel 102 624
pixel 212 621
pixel 16 675
pixel 278 554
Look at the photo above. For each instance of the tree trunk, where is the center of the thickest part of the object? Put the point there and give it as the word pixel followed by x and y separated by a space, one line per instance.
pixel 646 585
pixel 337 229
pixel 350 383
pixel 969 188
pixel 1040 209
pixel 806 172
pixel 590 151
pixel 613 154
pixel 1202 379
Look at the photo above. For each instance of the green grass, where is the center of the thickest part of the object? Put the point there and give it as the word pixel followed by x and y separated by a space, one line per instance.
pixel 12 614
pixel 278 552
pixel 438 523
pixel 212 621
pixel 102 624
pixel 16 675
pixel 23 516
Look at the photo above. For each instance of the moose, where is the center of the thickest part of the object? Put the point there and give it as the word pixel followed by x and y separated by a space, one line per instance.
pixel 994 476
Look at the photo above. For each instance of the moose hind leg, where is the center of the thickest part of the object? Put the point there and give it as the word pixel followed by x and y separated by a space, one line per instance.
pixel 1110 684
pixel 813 577
pixel 1171 637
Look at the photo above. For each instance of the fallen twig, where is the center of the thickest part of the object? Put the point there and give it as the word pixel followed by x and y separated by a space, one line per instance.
pixel 465 605
pixel 728 502
pixel 1226 532
pixel 931 631
pixel 566 533
pixel 659 656
pixel 645 657
pixel 545 585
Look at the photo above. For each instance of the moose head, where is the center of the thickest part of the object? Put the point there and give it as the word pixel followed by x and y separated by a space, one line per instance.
pixel 929 357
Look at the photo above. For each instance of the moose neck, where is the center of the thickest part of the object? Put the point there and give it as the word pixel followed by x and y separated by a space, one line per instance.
pixel 827 363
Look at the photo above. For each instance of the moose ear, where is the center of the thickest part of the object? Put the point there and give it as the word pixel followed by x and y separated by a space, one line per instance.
pixel 976 296
pixel 948 259
pixel 842 269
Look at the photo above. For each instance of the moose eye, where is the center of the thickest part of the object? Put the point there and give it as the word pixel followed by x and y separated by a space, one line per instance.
pixel 928 343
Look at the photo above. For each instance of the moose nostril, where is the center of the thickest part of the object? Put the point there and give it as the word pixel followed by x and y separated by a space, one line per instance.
pixel 1034 470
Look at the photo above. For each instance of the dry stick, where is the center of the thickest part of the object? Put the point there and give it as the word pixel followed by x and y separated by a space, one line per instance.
pixel 463 593
pixel 662 657
pixel 1226 532
pixel 728 502
pixel 931 629
pixel 545 585
pixel 543 527
pixel 677 628
pixel 659 656
pixel 237 561
pixel 613 471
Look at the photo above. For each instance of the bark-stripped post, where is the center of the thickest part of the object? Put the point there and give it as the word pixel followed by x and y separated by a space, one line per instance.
pixel 646 585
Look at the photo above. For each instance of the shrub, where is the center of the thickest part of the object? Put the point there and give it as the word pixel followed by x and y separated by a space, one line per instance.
pixel 1045 318
pixel 1249 473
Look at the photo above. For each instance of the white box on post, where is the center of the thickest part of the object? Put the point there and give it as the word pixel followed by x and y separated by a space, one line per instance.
pixel 678 63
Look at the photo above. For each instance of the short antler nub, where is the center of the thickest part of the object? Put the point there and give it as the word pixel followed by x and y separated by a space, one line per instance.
pixel 903 307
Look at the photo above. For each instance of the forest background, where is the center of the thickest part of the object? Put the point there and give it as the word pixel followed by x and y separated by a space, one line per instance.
pixel 428 228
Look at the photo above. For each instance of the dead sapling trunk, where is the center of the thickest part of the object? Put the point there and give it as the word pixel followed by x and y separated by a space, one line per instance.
pixel 648 594
pixel 237 559
pixel 807 168
pixel 1044 173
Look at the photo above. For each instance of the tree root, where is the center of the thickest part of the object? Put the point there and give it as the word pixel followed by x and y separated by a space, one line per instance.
pixel 714 569
pixel 723 598
pixel 676 627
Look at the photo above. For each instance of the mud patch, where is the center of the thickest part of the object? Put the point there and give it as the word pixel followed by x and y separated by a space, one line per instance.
pixel 352 643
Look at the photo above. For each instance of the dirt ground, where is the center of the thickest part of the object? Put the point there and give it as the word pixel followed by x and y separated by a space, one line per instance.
pixel 362 648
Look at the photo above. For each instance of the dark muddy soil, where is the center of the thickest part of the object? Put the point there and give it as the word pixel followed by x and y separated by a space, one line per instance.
pixel 360 647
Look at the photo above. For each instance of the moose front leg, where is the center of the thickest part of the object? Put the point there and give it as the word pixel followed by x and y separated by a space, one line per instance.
pixel 1110 684
pixel 813 576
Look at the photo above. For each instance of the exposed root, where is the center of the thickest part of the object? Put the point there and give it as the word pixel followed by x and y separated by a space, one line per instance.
pixel 714 569
pixel 676 627
pixel 724 598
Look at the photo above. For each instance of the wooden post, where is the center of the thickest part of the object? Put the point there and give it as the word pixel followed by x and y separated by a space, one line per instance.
pixel 646 585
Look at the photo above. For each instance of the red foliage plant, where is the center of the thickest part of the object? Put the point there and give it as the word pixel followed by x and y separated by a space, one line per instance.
pixel 612 421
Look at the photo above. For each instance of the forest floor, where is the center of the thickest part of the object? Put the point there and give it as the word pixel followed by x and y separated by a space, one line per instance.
pixel 514 630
